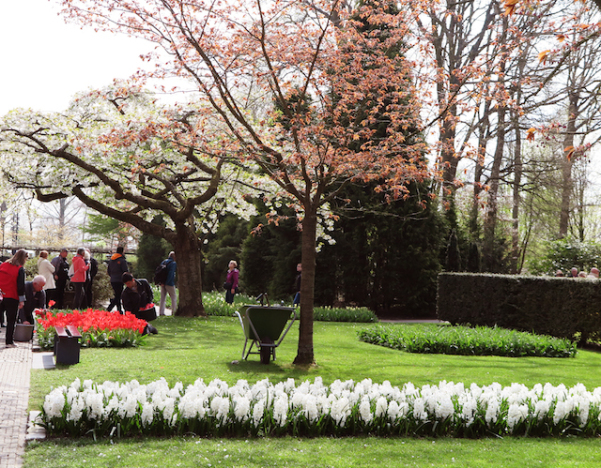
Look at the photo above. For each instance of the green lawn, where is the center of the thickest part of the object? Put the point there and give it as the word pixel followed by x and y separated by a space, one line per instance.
pixel 187 349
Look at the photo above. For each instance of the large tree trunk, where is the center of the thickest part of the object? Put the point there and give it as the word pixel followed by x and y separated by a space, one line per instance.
pixel 189 282
pixel 566 166
pixel 490 221
pixel 305 353
pixel 515 213
pixel 483 137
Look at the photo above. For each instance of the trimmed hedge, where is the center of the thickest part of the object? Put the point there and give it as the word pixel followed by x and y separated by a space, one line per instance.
pixel 467 341
pixel 561 307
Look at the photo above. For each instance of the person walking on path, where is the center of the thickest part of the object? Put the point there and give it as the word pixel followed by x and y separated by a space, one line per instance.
pixel 80 269
pixel 169 286
pixel 46 269
pixel 61 275
pixel 231 282
pixel 12 284
pixel 35 298
pixel 116 267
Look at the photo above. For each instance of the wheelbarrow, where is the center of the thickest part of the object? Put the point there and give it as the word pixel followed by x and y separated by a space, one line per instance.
pixel 265 327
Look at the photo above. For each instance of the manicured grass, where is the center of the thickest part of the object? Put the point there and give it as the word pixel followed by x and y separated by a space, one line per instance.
pixel 187 349
pixel 193 452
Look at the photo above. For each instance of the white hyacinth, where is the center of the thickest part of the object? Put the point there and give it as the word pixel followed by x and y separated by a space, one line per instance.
pixel 515 415
pixel 99 404
pixel 381 406
pixel 147 414
pixel 365 409
pixel 241 408
pixel 54 403
pixel 258 413
pixel 280 409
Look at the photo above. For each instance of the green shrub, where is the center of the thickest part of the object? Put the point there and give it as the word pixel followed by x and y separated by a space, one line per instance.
pixel 479 341
pixel 350 314
pixel 102 290
pixel 563 254
pixel 215 305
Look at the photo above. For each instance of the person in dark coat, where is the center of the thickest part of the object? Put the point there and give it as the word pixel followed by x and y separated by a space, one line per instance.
pixel 90 277
pixel 169 286
pixel 61 275
pixel 35 298
pixel 116 267
pixel 136 298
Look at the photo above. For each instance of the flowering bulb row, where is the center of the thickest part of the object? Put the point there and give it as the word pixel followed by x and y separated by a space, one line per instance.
pixel 99 328
pixel 313 409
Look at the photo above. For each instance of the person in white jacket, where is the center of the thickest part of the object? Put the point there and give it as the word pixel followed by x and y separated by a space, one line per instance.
pixel 46 269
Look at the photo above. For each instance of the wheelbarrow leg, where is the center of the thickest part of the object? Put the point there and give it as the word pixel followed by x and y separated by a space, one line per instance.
pixel 244 349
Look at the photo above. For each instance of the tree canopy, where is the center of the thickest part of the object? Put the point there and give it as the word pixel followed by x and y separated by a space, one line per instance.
pixel 128 158
pixel 243 56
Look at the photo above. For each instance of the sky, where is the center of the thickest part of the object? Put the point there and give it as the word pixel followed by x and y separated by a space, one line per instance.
pixel 44 62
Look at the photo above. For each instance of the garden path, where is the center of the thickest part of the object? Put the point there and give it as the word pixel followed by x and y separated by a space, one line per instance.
pixel 15 368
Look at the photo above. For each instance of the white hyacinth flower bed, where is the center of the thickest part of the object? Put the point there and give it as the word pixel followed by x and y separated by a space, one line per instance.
pixel 313 409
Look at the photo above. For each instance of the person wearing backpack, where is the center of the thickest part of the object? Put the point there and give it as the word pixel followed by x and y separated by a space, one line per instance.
pixel 165 278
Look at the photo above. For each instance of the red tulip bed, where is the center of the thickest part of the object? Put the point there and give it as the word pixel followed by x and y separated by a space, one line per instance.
pixel 99 328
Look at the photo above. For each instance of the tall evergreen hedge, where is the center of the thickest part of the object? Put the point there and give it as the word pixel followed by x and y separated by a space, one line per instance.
pixel 561 307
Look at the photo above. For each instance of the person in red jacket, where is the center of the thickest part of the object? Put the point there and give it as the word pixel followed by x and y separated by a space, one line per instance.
pixel 12 284
pixel 78 280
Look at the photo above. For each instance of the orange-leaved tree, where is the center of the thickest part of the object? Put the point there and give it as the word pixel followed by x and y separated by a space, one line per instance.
pixel 255 62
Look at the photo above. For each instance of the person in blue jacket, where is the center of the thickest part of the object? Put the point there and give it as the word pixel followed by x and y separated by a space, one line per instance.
pixel 169 286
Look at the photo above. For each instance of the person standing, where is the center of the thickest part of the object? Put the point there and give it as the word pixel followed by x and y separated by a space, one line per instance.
pixel 46 269
pixel 231 282
pixel 116 267
pixel 80 269
pixel 91 273
pixel 61 275
pixel 12 284
pixel 35 298
pixel 169 286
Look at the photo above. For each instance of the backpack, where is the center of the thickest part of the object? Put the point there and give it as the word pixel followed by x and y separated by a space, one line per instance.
pixel 160 274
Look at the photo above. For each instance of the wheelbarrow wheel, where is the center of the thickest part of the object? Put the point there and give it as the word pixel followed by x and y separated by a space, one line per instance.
pixel 265 351
pixel 265 354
